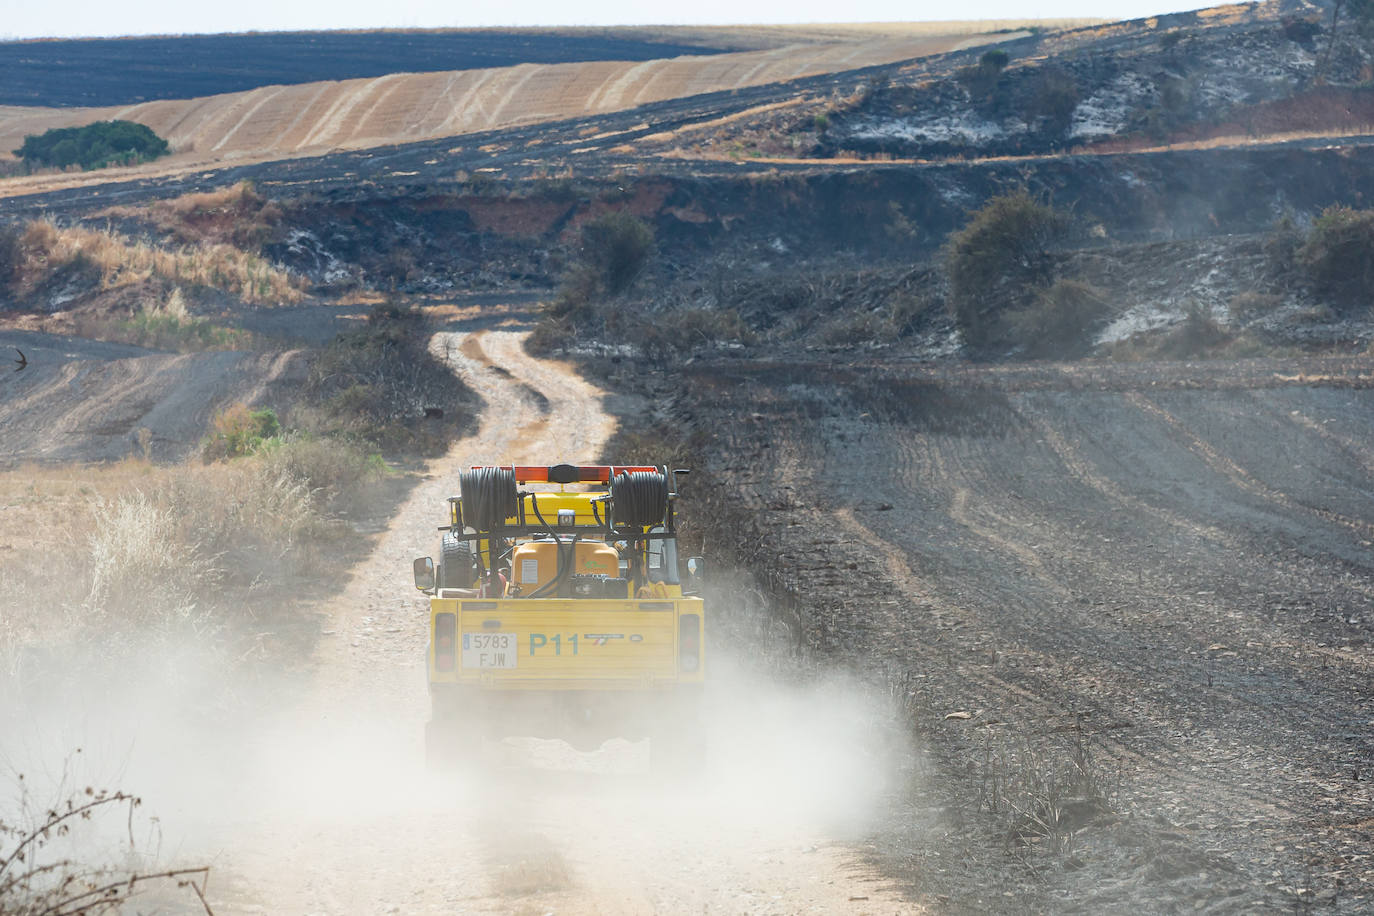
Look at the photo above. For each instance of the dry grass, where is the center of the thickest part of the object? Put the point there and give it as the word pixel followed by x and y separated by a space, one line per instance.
pixel 122 261
pixel 237 215
pixel 164 324
pixel 523 864
pixel 1042 792
pixel 148 550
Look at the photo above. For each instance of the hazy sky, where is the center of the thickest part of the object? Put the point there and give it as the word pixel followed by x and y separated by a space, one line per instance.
pixel 142 17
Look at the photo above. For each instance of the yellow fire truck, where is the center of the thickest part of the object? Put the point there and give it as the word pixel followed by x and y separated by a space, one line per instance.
pixel 559 610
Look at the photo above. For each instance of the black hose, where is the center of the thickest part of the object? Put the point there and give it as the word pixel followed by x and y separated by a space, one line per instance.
pixel 534 501
pixel 489 497
pixel 639 498
pixel 564 569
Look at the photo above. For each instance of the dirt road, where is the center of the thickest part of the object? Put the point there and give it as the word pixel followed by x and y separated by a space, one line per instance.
pixel 339 816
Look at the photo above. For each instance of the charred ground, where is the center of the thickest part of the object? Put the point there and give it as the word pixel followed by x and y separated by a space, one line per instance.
pixel 95 72
pixel 1124 601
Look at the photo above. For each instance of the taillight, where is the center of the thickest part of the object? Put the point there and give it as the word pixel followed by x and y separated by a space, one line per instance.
pixel 689 642
pixel 445 631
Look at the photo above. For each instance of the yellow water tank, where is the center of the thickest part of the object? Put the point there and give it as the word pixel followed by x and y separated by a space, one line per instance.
pixel 535 564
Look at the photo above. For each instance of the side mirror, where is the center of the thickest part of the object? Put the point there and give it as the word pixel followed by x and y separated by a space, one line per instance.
pixel 424 574
pixel 696 568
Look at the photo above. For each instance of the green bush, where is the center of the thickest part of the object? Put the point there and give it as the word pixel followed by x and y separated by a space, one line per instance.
pixel 93 146
pixel 999 262
pixel 1338 255
pixel 238 431
pixel 614 249
pixel 1281 248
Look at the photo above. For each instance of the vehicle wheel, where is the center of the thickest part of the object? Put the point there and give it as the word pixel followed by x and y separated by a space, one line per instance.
pixel 455 562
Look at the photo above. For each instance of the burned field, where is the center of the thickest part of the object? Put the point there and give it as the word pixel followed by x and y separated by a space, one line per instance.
pixel 121 71
pixel 1127 609
pixel 1121 606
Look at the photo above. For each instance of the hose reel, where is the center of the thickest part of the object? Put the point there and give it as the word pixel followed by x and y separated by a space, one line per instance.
pixel 489 497
pixel 639 498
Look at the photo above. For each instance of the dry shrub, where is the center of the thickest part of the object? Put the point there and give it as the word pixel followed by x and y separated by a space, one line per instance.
pixel 1339 255
pixel 115 558
pixel 1250 305
pixel 332 468
pixel 123 261
pixel 1198 336
pixel 40 237
pixel 37 878
pixel 1042 791
pixel 373 384
pixel 682 330
pixel 237 215
pixel 158 557
pixel 1056 324
pixel 142 567
pixel 165 324
pixel 161 546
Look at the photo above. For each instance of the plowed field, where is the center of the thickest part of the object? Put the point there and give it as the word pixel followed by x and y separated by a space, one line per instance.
pixel 1167 565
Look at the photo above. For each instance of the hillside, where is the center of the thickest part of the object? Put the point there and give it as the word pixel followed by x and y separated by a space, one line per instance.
pixel 310 118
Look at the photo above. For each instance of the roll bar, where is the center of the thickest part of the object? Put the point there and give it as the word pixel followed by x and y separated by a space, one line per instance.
pixel 568 473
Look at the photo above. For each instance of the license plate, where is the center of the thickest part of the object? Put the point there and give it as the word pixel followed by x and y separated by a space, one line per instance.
pixel 489 650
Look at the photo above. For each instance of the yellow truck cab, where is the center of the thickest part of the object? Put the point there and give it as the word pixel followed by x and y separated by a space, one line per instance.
pixel 559 609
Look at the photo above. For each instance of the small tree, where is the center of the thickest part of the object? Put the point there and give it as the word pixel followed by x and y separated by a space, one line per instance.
pixel 998 262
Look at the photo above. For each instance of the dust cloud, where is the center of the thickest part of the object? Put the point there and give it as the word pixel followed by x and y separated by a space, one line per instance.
pixel 304 796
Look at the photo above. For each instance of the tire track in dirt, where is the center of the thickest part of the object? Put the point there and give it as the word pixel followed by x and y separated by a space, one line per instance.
pixel 1239 475
pixel 1080 468
pixel 1048 696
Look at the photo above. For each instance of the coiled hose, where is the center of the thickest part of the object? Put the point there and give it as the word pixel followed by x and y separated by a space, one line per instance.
pixel 639 498
pixel 489 497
